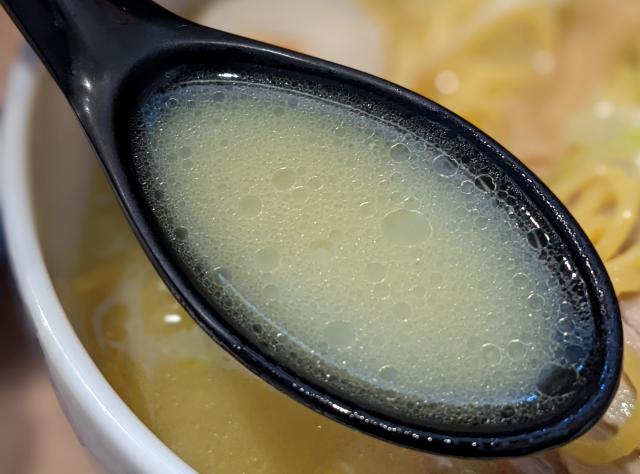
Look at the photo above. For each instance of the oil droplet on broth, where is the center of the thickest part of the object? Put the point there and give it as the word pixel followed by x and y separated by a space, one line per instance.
pixel 367 209
pixel 516 350
pixel 379 261
pixel 445 166
pixel 382 290
pixel 267 259
pixel 321 248
pixel 339 334
pixel 399 152
pixel 250 206
pixel 406 227
pixel 491 354
pixel 283 179
pixel 387 373
pixel 375 272
pixel 299 193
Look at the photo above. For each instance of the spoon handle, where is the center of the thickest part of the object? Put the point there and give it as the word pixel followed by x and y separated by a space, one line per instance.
pixel 82 42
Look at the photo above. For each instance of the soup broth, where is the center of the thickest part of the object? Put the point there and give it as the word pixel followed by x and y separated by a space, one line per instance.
pixel 211 411
pixel 360 252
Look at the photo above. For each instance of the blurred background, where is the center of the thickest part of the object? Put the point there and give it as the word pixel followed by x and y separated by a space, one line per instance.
pixel 556 81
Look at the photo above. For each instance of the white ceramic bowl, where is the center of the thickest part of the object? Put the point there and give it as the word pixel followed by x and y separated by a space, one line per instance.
pixel 45 165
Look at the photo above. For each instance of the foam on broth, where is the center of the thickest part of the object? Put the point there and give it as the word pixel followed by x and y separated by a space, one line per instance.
pixel 358 252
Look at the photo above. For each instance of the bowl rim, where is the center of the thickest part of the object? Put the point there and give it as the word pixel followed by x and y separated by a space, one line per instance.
pixel 65 354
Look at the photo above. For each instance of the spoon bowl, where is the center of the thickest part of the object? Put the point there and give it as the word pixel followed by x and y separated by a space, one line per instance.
pixel 107 55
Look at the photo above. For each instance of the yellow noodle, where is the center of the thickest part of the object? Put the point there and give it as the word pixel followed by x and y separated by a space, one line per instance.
pixel 625 440
pixel 590 202
pixel 624 271
pixel 608 215
pixel 489 45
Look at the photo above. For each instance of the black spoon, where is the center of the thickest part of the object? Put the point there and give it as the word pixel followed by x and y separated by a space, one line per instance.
pixel 104 54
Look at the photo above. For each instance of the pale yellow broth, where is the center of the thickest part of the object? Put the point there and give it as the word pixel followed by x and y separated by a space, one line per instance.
pixel 212 412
